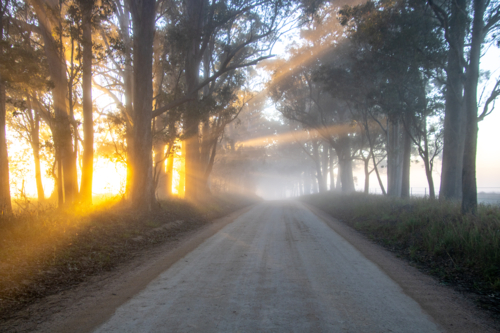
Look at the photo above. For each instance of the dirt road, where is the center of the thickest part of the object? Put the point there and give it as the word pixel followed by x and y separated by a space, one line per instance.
pixel 276 268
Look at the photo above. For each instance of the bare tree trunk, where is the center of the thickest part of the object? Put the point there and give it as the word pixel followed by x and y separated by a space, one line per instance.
pixel 63 138
pixel 366 162
pixel 405 182
pixel 469 185
pixel 319 174
pixel 159 175
pixel 332 176
pixel 207 150
pixel 143 17
pixel 159 123
pixel 210 166
pixel 394 158
pixel 345 164
pixel 325 165
pixel 88 119
pixel 454 115
pixel 194 11
pixel 35 145
pixel 123 16
pixel 5 200
pixel 169 174
pixel 430 181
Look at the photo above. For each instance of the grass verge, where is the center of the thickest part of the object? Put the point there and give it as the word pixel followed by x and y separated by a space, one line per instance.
pixel 463 251
pixel 43 252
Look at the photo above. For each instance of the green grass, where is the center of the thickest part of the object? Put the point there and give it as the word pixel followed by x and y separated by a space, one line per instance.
pixel 459 249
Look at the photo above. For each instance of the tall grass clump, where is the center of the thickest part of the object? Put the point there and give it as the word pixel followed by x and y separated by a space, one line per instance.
pixel 458 248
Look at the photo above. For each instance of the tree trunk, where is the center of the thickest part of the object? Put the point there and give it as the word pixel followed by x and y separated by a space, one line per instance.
pixel 430 181
pixel 62 132
pixel 319 174
pixel 345 164
pixel 194 11
pixel 394 158
pixel 5 200
pixel 159 160
pixel 128 83
pixel 143 17
pixel 325 165
pixel 209 167
pixel 88 121
pixel 332 176
pixel 454 114
pixel 469 185
pixel 367 174
pixel 405 181
pixel 35 145
pixel 159 123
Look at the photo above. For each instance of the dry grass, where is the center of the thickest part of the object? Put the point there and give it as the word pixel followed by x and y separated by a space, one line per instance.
pixel 460 250
pixel 44 251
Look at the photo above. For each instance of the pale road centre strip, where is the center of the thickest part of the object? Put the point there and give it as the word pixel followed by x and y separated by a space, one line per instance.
pixel 276 268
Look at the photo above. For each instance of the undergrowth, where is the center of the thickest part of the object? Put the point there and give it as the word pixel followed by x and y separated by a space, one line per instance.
pixel 460 250
pixel 46 250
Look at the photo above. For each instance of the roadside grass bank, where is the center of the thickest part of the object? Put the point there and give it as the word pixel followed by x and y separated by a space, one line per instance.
pixel 45 251
pixel 463 251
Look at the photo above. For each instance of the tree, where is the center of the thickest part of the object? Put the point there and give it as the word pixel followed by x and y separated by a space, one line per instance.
pixel 486 19
pixel 5 201
pixel 50 21
pixel 405 51
pixel 143 18
pixel 86 7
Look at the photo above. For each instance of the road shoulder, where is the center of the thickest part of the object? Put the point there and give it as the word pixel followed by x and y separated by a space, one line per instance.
pixel 84 307
pixel 448 308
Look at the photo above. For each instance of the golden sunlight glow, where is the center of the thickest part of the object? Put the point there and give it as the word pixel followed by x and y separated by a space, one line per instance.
pixel 109 177
pixel 178 176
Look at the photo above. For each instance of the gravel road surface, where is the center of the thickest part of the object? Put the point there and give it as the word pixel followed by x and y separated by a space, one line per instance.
pixel 276 268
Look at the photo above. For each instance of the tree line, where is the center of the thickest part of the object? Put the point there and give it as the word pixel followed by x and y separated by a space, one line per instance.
pixel 377 82
pixel 384 80
pixel 175 70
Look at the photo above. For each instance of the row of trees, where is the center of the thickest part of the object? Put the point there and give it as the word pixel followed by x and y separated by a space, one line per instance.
pixel 173 69
pixel 374 82
pixel 383 80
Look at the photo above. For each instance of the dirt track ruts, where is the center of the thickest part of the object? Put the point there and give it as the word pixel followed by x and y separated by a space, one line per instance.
pixel 274 267
pixel 277 268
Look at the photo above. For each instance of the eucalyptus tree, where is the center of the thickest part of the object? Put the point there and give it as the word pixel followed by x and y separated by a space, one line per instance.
pixel 5 199
pixel 486 20
pixel 467 27
pixel 300 99
pixel 50 20
pixel 25 72
pixel 404 47
pixel 453 16
pixel 87 7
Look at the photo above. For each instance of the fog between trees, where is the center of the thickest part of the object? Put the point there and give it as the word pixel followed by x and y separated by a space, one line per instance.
pixel 378 84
